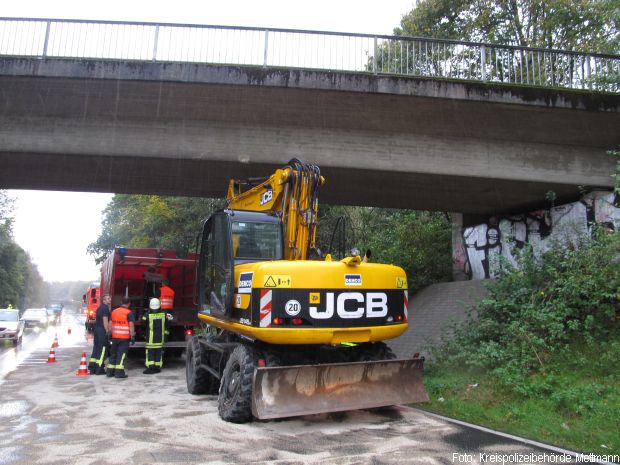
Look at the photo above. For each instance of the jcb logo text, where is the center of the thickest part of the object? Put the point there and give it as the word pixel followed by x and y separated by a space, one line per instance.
pixel 352 305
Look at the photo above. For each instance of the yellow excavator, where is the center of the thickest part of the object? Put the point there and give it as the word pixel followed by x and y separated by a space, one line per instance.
pixel 288 331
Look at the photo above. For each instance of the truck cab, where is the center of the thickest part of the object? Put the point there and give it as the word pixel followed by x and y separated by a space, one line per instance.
pixel 90 302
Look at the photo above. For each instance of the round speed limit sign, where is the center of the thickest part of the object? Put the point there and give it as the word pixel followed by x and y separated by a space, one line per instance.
pixel 292 307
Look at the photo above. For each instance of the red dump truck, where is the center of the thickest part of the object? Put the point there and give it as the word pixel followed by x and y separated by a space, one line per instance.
pixel 127 272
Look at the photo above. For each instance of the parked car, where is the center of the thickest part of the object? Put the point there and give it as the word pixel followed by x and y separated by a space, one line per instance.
pixel 11 325
pixel 35 317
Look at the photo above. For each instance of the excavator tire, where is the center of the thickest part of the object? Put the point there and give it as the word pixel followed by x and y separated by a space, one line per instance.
pixel 235 399
pixel 375 352
pixel 199 380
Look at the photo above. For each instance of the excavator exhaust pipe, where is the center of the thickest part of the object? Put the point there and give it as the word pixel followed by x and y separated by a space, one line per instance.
pixel 290 391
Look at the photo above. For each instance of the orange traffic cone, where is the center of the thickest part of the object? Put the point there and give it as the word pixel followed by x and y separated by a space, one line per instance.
pixel 51 358
pixel 83 371
pixel 55 344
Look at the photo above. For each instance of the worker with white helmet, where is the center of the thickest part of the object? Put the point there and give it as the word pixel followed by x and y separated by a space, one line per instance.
pixel 155 337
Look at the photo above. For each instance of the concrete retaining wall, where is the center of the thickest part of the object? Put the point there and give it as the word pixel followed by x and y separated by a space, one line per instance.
pixel 432 310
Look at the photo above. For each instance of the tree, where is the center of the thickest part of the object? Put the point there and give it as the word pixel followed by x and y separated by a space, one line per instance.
pixel 6 211
pixel 419 242
pixel 580 25
pixel 152 221
pixel 21 285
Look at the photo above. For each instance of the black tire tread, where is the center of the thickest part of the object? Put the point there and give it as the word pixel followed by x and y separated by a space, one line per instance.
pixel 240 409
pixel 199 380
pixel 375 352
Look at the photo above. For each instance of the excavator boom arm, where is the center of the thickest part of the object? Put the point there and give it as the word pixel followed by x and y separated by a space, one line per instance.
pixel 292 193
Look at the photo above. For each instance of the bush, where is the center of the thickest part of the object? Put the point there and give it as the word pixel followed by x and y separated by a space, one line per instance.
pixel 537 309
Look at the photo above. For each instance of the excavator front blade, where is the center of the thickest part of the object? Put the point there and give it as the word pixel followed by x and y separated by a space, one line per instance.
pixel 308 389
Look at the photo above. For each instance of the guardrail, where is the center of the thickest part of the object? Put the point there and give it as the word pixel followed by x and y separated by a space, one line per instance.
pixel 376 54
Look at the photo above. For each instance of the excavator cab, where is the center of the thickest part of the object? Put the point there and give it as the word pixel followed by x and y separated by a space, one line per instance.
pixel 230 238
pixel 216 265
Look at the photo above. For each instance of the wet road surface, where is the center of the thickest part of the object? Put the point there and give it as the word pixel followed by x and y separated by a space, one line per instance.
pixel 48 415
pixel 37 338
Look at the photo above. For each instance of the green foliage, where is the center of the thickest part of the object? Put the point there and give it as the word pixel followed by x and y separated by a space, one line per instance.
pixel 152 221
pixel 581 25
pixel 616 173
pixel 6 211
pixel 419 242
pixel 21 284
pixel 12 271
pixel 537 310
pixel 574 403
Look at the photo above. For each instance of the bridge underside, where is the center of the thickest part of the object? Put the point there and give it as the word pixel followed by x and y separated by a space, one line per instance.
pixel 182 130
pixel 345 186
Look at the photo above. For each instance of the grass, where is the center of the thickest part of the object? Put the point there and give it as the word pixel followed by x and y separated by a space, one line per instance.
pixel 573 403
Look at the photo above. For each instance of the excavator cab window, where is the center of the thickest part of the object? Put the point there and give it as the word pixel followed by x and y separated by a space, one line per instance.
pixel 216 265
pixel 256 241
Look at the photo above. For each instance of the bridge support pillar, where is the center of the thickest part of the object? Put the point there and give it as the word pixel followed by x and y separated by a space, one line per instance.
pixel 459 257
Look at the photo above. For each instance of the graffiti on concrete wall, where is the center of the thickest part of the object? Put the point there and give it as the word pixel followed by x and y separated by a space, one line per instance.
pixel 481 246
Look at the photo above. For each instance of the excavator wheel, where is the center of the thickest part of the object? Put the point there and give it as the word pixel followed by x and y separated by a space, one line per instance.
pixel 199 380
pixel 235 398
pixel 374 352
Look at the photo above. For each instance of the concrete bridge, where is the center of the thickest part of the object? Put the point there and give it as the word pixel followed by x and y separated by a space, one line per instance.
pixel 92 123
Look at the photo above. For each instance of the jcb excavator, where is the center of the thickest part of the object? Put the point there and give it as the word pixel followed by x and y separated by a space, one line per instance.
pixel 287 335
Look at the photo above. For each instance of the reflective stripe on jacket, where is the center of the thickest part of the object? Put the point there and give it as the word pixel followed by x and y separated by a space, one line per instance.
pixel 120 323
pixel 166 296
pixel 157 330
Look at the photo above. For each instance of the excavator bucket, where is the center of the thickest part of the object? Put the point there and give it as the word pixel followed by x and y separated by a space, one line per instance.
pixel 308 389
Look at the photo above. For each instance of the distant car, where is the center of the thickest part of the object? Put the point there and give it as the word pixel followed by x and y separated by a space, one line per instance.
pixel 11 325
pixel 54 311
pixel 35 317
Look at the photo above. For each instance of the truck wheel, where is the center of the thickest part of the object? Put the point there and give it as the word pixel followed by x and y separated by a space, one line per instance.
pixel 235 399
pixel 199 380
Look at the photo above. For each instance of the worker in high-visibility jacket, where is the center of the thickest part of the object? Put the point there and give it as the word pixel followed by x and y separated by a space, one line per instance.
pixel 123 333
pixel 155 337
pixel 166 296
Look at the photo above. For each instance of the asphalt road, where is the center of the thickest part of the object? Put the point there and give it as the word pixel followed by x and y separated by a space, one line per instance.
pixel 36 338
pixel 49 415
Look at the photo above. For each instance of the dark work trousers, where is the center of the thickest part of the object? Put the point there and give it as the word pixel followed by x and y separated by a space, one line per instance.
pixel 118 355
pixel 154 357
pixel 100 350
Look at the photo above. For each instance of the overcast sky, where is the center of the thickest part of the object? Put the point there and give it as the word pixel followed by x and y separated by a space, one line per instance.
pixel 56 227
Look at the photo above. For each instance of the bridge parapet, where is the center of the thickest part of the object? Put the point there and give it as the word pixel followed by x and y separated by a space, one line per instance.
pixel 287 48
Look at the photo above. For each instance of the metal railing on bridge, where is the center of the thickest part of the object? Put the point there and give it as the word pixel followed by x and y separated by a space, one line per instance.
pixel 287 48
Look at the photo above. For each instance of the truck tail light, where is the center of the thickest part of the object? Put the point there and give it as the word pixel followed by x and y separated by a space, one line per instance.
pixel 278 321
pixel 189 332
pixel 298 321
